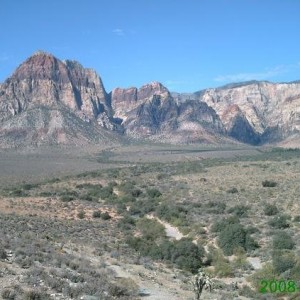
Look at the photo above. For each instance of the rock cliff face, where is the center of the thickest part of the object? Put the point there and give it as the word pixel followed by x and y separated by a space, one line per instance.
pixel 47 100
pixel 255 112
pixel 151 112
pixel 270 112
pixel 43 84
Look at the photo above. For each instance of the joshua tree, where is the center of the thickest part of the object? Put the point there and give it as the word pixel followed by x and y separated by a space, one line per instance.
pixel 200 281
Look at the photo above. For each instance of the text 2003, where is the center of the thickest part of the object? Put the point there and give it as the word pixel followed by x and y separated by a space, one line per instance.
pixel 279 286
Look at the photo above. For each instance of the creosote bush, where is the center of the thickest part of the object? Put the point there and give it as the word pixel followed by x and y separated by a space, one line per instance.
pixel 270 210
pixel 283 240
pixel 153 193
pixel 234 236
pixel 280 222
pixel 81 214
pixel 269 183
pixel 105 216
pixel 96 214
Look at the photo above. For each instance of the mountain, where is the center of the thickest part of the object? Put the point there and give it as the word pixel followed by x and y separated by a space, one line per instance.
pixel 150 112
pixel 49 101
pixel 255 112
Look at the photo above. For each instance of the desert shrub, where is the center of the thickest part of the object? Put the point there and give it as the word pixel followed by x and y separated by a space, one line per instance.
pixel 3 254
pixel 36 295
pixel 239 210
pixel 127 187
pixel 127 222
pixel 106 192
pixel 269 183
pixel 105 216
pixel 127 199
pixel 270 210
pixel 280 222
pixel 296 218
pixel 9 293
pixel 18 193
pixel 283 261
pixel 283 240
pixel 220 225
pixel 123 287
pixel 29 186
pixel 150 229
pixel 153 193
pixel 81 214
pixel 232 190
pixel 222 266
pixel 172 213
pixel 187 255
pixel 247 292
pixel 234 236
pixel 89 186
pixel 136 193
pixel 96 214
pixel 267 271
pixel 67 198
pixel 216 207
pixel 183 253
pixel 252 229
pixel 88 197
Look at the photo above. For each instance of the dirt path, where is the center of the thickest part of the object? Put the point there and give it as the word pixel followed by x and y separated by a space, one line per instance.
pixel 171 231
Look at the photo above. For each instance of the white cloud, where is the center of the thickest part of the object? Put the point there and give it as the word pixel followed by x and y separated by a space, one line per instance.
pixel 264 75
pixel 119 32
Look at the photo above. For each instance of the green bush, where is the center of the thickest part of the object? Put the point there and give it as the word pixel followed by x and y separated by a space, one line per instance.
pixel 9 294
pixel 232 190
pixel 222 266
pixel 183 253
pixel 127 222
pixel 269 183
pixel 96 214
pixel 81 214
pixel 105 216
pixel 283 240
pixel 280 222
pixel 283 261
pixel 216 207
pixel 239 210
pixel 270 210
pixel 234 236
pixel 153 193
pixel 18 193
pixel 3 254
pixel 136 193
pixel 67 198
pixel 220 225
pixel 36 295
pixel 172 213
pixel 151 229
pixel 296 218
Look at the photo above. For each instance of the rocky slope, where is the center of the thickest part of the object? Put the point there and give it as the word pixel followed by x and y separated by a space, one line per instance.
pixel 48 101
pixel 151 112
pixel 255 112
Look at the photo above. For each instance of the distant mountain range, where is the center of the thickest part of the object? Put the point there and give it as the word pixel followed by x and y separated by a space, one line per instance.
pixel 49 101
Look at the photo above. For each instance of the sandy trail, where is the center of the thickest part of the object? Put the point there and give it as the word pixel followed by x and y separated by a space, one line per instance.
pixel 171 231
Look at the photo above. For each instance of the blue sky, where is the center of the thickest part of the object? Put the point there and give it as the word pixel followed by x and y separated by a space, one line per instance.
pixel 187 45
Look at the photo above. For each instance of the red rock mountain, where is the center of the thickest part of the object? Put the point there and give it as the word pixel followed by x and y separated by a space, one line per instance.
pixel 49 101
